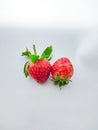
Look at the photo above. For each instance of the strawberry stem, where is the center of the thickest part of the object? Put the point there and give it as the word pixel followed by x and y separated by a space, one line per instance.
pixel 34 49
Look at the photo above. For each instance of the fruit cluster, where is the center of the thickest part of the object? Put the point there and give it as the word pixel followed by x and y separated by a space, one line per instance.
pixel 39 67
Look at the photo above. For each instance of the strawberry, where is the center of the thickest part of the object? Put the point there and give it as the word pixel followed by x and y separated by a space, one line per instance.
pixel 38 67
pixel 62 71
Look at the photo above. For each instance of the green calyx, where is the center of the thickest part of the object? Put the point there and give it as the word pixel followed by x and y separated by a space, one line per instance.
pixel 25 69
pixel 61 82
pixel 33 57
pixel 47 53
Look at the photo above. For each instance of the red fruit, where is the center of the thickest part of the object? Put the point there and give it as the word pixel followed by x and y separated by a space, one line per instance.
pixel 38 67
pixel 62 71
pixel 40 70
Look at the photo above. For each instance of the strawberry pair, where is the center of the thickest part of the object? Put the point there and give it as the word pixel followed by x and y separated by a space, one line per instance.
pixel 39 67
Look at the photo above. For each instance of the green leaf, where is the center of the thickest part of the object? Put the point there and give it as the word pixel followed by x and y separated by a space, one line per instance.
pixel 50 58
pixel 47 53
pixel 55 81
pixel 25 69
pixel 26 53
pixel 33 58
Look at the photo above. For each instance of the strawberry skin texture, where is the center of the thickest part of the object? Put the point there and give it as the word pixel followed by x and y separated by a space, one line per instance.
pixel 40 70
pixel 62 67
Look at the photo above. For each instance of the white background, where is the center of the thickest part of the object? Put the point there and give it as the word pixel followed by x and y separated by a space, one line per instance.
pixel 71 28
pixel 68 13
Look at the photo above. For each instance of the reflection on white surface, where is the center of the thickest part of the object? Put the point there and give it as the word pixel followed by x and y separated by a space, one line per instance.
pixel 27 105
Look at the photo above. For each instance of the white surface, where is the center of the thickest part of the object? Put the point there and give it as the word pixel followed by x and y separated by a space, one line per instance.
pixel 63 13
pixel 27 105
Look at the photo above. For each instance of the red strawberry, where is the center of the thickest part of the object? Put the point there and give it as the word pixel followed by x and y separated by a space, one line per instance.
pixel 38 67
pixel 62 71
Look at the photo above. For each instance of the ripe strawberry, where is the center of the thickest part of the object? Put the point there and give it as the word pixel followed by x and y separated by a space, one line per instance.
pixel 62 71
pixel 38 67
